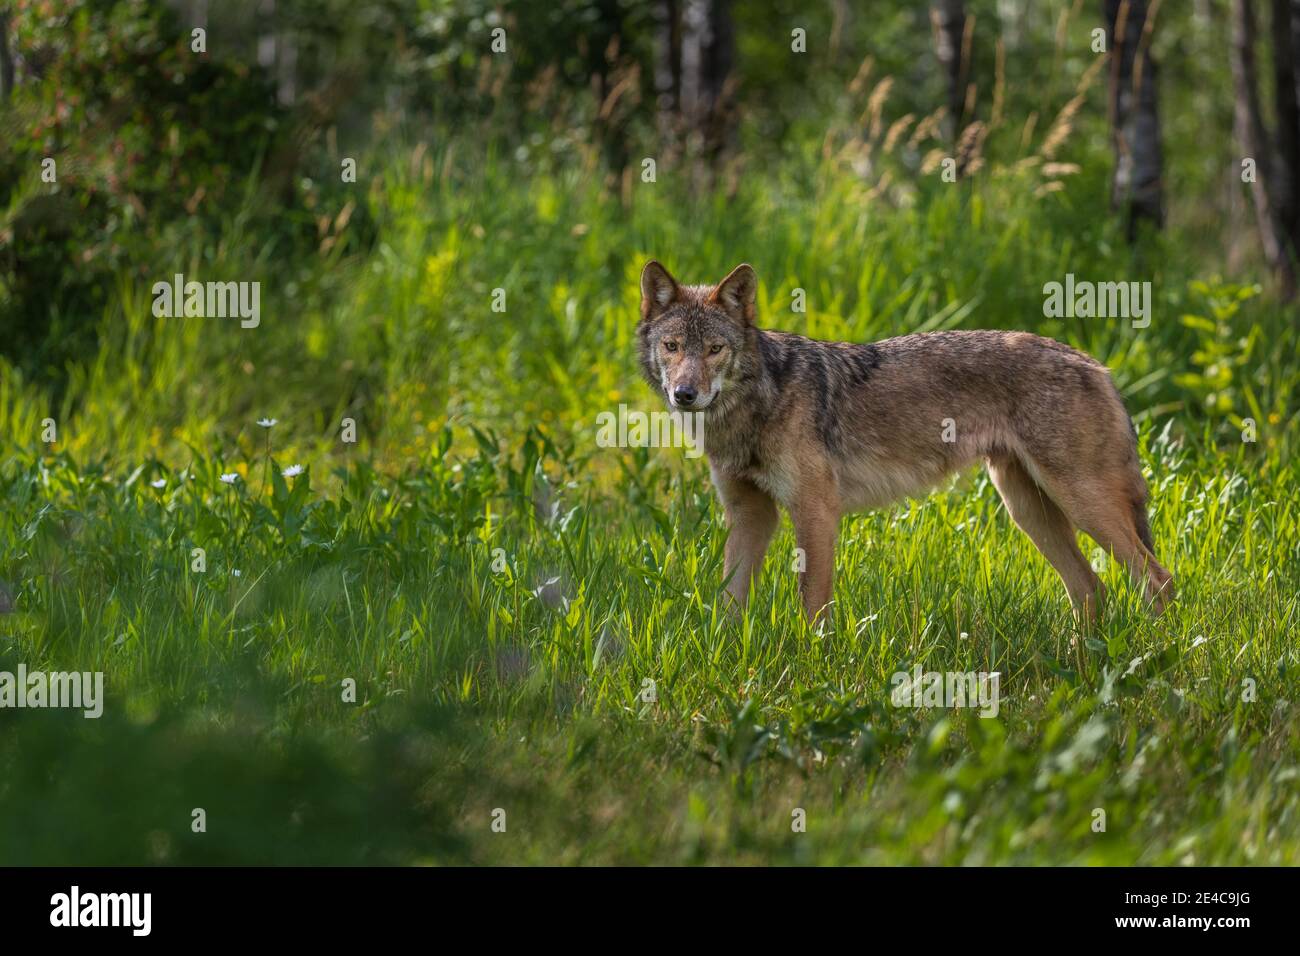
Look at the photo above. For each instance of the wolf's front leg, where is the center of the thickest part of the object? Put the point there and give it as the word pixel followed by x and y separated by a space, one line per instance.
pixel 816 522
pixel 751 520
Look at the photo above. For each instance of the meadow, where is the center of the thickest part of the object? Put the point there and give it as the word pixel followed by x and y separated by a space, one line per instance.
pixel 542 670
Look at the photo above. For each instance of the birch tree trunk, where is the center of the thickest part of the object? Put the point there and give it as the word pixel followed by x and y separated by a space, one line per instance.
pixel 1136 187
pixel 1274 188
pixel 707 56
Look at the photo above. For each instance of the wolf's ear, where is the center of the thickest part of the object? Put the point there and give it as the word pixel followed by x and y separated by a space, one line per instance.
pixel 736 293
pixel 658 288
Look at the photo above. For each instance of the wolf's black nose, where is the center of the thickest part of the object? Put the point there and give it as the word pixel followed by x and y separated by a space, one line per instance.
pixel 684 395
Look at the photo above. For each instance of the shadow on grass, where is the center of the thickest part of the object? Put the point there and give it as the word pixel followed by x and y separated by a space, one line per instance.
pixel 124 791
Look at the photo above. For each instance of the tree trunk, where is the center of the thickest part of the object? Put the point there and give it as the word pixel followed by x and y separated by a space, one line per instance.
pixel 606 63
pixel 717 58
pixel 1136 187
pixel 1286 170
pixel 708 50
pixel 1267 188
pixel 6 58
pixel 948 20
pixel 286 67
pixel 668 59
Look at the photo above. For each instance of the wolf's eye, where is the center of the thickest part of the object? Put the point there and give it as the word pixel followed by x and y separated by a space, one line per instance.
pixel 671 346
pixel 714 350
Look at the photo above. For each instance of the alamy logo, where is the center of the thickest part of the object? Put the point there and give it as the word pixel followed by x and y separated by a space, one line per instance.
pixel 1102 300
pixel 208 300
pixel 952 689
pixel 75 689
pixel 633 429
pixel 103 909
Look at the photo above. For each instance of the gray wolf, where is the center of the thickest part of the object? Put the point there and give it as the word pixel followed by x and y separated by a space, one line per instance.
pixel 823 429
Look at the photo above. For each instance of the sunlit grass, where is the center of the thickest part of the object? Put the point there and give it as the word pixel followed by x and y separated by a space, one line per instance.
pixel 531 621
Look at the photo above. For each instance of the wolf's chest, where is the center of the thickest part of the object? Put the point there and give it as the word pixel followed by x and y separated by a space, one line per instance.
pixel 781 483
pixel 745 451
pixel 775 476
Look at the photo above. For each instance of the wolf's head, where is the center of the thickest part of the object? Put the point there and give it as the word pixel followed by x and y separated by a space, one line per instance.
pixel 696 341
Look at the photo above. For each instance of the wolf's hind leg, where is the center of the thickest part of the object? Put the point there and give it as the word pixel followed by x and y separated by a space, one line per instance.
pixel 1113 514
pixel 1050 530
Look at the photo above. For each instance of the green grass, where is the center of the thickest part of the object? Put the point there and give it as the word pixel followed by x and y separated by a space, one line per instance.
pixel 517 678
